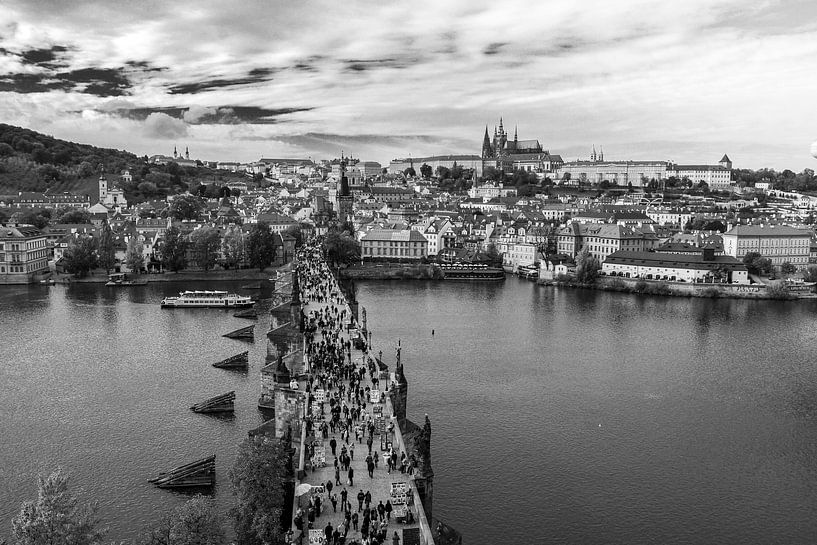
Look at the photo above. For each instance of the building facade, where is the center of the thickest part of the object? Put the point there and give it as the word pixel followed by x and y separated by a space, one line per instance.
pixel 701 267
pixel 779 243
pixel 23 254
pixel 393 244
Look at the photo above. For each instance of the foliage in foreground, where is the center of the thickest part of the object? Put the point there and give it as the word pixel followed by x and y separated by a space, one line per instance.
pixel 259 478
pixel 56 517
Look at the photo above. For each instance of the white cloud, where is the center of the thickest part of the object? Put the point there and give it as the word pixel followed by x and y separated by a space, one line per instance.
pixel 159 125
pixel 643 76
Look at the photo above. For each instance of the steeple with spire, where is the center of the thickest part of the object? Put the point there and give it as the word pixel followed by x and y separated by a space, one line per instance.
pixel 487 150
pixel 186 153
pixel 175 153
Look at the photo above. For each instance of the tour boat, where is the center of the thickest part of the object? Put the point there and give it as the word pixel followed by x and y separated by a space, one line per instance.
pixel 531 272
pixel 211 299
pixel 471 271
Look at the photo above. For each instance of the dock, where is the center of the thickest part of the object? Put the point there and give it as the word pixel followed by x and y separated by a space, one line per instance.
pixel 201 473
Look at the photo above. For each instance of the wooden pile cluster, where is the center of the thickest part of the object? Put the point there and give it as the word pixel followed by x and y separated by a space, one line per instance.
pixel 224 403
pixel 199 473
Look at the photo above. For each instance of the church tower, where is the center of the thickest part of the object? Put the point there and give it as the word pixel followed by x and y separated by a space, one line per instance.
pixel 103 187
pixel 487 151
pixel 186 153
pixel 344 204
pixel 175 153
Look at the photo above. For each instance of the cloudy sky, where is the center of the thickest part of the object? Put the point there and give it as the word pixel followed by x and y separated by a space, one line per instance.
pixel 687 80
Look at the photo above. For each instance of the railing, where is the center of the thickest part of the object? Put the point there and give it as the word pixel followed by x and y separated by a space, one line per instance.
pixel 426 536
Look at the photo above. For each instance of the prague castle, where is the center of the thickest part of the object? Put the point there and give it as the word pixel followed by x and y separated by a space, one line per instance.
pixel 508 155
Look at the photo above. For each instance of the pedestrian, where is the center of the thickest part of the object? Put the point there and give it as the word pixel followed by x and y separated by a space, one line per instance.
pixel 388 509
pixel 329 487
pixel 369 444
pixel 344 496
pixel 351 476
pixel 333 444
pixel 381 509
pixel 352 451
pixel 334 499
pixel 368 499
pixel 328 532
pixel 337 475
pixel 360 498
pixel 395 540
pixel 354 521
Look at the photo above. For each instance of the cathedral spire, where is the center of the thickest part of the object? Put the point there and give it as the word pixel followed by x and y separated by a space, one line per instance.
pixel 486 144
pixel 515 128
pixel 501 129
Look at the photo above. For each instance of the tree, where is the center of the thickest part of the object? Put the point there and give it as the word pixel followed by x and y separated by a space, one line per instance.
pixel 425 171
pixel 810 273
pixel 105 249
pixel 493 254
pixel 587 266
pixel 340 249
pixel 410 172
pixel 75 216
pixel 206 243
pixel 443 173
pixel 56 516
pixel 37 219
pixel 232 246
pixel 259 477
pixel 788 268
pixel 261 246
pixel 186 207
pixel 757 264
pixel 80 256
pixel 174 250
pixel 134 256
pixel 195 522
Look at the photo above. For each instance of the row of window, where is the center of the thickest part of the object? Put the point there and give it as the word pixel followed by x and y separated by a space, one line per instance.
pixel 406 252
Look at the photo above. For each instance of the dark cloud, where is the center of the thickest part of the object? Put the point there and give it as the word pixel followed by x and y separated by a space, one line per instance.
pixel 45 57
pixel 102 82
pixel 223 115
pixel 145 66
pixel 354 65
pixel 493 48
pixel 31 83
pixel 256 75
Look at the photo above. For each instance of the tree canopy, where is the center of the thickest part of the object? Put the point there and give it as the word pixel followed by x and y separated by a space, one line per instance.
pixel 174 250
pixel 261 246
pixel 340 249
pixel 80 256
pixel 195 522
pixel 186 207
pixel 56 516
pixel 259 477
pixel 206 243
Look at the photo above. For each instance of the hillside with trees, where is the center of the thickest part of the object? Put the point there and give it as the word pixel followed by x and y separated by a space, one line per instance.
pixel 32 161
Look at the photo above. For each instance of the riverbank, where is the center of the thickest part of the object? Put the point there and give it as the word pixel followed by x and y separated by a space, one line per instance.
pixel 393 271
pixel 641 286
pixel 99 277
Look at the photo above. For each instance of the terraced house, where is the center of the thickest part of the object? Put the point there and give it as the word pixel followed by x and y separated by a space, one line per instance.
pixel 603 239
pixel 23 254
pixel 393 244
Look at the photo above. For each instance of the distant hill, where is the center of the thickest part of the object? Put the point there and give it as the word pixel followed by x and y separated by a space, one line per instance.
pixel 32 161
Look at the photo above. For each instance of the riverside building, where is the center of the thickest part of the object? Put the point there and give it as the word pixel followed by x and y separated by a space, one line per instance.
pixel 780 243
pixel 23 254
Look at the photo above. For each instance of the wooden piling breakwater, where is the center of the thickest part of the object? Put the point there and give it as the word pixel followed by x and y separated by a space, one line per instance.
pixel 200 473
pixel 244 333
pixel 250 313
pixel 238 361
pixel 224 403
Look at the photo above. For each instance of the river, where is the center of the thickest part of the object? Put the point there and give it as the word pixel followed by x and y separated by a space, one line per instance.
pixel 558 415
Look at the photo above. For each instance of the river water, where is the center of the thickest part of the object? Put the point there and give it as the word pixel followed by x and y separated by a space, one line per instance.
pixel 558 416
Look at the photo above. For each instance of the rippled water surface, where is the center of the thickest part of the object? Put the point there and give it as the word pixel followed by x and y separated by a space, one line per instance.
pixel 565 416
pixel 559 416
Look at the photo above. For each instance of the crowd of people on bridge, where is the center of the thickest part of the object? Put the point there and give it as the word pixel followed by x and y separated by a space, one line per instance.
pixel 338 380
